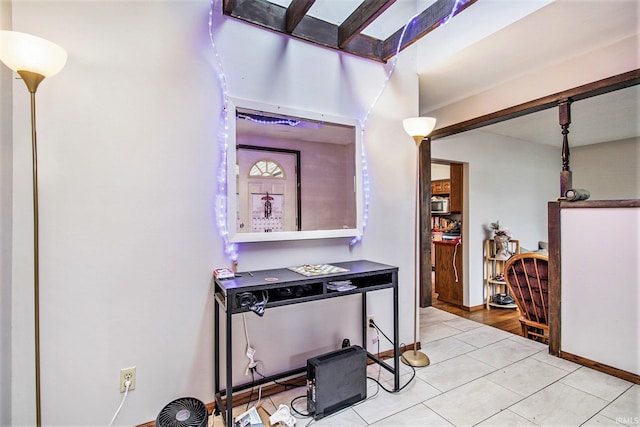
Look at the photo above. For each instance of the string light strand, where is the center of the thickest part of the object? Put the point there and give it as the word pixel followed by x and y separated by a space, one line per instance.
pixel 230 249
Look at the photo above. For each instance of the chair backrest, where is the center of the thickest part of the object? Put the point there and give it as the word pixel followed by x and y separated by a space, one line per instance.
pixel 526 275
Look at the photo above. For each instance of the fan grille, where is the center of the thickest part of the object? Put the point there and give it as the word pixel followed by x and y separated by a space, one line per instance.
pixel 183 412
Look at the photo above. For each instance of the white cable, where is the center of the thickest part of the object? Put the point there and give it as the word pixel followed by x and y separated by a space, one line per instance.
pixel 246 331
pixel 127 384
pixel 250 350
pixel 455 252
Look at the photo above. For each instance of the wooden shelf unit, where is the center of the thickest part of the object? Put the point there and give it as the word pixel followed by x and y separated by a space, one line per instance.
pixel 493 268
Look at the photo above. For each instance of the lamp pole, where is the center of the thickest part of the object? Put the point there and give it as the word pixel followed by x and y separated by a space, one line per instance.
pixel 418 128
pixel 33 58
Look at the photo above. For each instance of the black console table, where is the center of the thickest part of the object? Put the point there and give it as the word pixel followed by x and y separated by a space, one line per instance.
pixel 285 287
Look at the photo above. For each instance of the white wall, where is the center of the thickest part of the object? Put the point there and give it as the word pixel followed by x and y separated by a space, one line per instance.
pixel 599 303
pixel 618 169
pixel 6 180
pixel 508 180
pixel 128 136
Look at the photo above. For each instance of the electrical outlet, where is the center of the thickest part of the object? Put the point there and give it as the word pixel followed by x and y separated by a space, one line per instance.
pixel 369 320
pixel 127 374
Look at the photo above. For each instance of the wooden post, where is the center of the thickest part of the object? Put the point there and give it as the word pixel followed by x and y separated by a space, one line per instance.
pixel 554 277
pixel 565 120
pixel 425 223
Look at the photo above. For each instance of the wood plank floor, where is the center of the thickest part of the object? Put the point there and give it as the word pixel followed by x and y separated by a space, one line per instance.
pixel 501 318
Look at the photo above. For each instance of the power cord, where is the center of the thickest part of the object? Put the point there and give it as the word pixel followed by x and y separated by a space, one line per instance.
pixel 293 401
pixel 413 375
pixel 250 350
pixel 127 384
pixel 254 371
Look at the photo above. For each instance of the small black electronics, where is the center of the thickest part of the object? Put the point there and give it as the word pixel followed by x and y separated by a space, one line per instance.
pixel 503 299
pixel 336 380
pixel 249 300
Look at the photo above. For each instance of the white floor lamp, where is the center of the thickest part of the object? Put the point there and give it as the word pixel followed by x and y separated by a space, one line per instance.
pixel 418 128
pixel 33 59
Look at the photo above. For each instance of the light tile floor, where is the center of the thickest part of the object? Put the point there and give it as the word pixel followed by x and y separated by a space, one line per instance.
pixel 483 376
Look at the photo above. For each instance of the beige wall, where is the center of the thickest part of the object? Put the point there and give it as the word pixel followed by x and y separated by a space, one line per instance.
pixel 573 71
pixel 610 171
pixel 6 182
pixel 130 133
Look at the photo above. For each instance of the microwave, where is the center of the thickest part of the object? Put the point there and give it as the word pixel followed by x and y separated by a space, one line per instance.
pixel 440 205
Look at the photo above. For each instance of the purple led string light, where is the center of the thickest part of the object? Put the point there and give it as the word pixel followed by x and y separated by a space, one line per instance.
pixel 230 249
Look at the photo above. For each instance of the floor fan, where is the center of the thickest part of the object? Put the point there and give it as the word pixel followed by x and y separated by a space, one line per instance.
pixel 183 412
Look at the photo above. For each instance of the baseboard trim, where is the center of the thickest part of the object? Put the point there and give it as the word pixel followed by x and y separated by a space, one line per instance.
pixel 625 375
pixel 293 382
pixel 473 307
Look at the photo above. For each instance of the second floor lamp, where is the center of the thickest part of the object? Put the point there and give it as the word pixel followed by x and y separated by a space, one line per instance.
pixel 418 128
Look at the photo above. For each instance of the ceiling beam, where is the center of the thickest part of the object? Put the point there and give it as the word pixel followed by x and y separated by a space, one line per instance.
pixel 295 12
pixel 364 15
pixel 423 24
pixel 273 16
pixel 228 6
pixel 599 87
pixel 347 37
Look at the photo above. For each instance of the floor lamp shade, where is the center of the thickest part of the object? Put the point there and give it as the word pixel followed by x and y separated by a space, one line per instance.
pixel 419 126
pixel 25 52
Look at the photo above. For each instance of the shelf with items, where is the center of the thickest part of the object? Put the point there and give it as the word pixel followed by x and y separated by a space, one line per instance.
pixel 494 272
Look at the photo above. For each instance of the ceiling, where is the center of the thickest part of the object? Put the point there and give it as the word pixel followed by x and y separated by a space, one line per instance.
pixel 465 48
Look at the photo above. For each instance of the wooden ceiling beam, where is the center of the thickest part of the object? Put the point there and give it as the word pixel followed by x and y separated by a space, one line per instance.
pixel 427 21
pixel 314 30
pixel 364 15
pixel 228 6
pixel 347 37
pixel 295 12
pixel 599 87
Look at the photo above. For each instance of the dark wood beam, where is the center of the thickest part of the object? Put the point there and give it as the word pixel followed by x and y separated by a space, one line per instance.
pixel 564 113
pixel 259 12
pixel 347 38
pixel 424 233
pixel 295 12
pixel 314 30
pixel 427 21
pixel 554 277
pixel 228 6
pixel 364 15
pixel 609 84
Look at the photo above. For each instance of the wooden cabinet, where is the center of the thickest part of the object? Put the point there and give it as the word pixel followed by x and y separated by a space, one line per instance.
pixel 449 272
pixel 440 187
pixel 452 187
pixel 436 236
pixel 456 187
pixel 494 272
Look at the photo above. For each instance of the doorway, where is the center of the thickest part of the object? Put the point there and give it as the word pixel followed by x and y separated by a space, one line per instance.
pixel 449 266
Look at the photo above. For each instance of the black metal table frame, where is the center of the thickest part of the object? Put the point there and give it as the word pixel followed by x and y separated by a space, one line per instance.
pixel 223 294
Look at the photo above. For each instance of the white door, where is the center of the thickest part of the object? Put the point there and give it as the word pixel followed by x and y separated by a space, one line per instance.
pixel 273 173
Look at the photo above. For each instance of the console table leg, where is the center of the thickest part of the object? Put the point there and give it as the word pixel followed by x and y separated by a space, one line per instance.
pixel 229 379
pixel 216 347
pixel 396 333
pixel 364 320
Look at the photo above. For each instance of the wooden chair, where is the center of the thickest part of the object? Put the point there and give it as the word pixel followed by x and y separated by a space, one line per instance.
pixel 526 277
